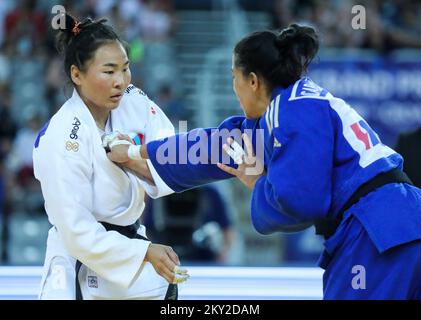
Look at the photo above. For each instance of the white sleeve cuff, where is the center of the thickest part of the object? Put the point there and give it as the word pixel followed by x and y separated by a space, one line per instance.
pixel 160 189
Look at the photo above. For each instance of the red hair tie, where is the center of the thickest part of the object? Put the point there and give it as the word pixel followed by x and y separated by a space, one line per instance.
pixel 76 29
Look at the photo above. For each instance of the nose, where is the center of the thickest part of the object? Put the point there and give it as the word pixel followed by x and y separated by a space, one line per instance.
pixel 119 81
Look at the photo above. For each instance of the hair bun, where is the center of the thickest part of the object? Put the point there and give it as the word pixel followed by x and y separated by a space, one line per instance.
pixel 294 33
pixel 299 42
pixel 64 36
pixel 72 29
pixel 286 36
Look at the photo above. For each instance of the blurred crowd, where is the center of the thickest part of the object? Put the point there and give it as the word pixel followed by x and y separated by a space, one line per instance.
pixel 389 24
pixel 33 85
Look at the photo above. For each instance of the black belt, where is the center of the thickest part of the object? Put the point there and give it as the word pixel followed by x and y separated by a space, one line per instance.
pixel 328 226
pixel 130 232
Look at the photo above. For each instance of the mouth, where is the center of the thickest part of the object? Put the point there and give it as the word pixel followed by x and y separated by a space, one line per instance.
pixel 116 97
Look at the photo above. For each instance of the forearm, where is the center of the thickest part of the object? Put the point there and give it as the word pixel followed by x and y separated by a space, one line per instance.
pixel 268 215
pixel 141 169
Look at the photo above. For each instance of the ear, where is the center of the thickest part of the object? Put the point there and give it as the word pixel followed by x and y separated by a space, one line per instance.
pixel 75 74
pixel 253 81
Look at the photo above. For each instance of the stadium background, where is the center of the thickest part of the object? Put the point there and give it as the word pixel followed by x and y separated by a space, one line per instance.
pixel 181 57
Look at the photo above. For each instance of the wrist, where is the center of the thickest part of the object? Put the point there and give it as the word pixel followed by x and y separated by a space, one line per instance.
pixel 144 151
pixel 134 152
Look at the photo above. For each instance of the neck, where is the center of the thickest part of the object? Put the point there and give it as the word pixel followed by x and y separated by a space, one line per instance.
pixel 99 114
pixel 262 104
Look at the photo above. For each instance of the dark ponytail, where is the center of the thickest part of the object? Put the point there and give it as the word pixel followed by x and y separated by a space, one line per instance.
pixel 280 58
pixel 80 39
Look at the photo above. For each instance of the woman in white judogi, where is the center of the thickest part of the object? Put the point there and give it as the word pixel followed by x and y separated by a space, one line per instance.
pixel 82 187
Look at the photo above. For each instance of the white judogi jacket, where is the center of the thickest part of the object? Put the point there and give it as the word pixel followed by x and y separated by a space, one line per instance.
pixel 81 186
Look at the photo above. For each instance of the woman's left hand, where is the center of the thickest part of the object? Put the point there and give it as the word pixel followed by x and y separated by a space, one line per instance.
pixel 118 153
pixel 250 169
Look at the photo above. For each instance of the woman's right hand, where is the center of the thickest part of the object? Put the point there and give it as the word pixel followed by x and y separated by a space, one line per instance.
pixel 164 260
pixel 250 169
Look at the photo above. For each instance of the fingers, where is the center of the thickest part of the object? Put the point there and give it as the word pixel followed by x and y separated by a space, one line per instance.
pixel 118 154
pixel 166 274
pixel 237 158
pixel 173 256
pixel 227 169
pixel 179 270
pixel 249 145
pixel 108 138
pixel 122 136
pixel 172 272
pixel 180 278
pixel 166 263
pixel 169 264
pixel 234 150
pixel 117 142
pixel 237 153
pixel 181 275
pixel 115 138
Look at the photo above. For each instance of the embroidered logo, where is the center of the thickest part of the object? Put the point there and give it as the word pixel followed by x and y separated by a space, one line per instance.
pixel 365 134
pixel 75 129
pixel 92 282
pixel 72 146
pixel 132 87
pixel 138 139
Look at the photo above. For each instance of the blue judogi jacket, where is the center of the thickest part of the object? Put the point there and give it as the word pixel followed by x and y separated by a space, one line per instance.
pixel 317 152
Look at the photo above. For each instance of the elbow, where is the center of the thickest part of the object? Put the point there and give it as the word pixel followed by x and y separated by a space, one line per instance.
pixel 304 207
pixel 285 226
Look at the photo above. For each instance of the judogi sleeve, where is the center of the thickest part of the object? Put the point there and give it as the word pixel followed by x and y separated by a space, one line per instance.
pixel 158 127
pixel 64 169
pixel 188 160
pixel 297 187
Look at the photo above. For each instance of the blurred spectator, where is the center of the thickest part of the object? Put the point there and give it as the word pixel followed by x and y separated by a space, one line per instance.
pixel 26 27
pixel 8 126
pixel 195 223
pixel 156 20
pixel 8 130
pixel 5 7
pixel 409 146
pixel 173 106
pixel 6 53
pixel 403 23
pixel 117 20
pixel 55 80
pixel 4 224
pixel 389 24
pixel 20 156
pixel 25 193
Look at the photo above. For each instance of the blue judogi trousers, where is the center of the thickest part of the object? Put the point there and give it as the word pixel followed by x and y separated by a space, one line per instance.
pixel 355 269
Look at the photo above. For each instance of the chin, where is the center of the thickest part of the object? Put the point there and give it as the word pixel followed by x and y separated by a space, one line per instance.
pixel 113 106
pixel 251 116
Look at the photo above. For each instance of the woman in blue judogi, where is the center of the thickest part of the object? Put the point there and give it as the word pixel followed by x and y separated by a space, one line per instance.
pixel 323 166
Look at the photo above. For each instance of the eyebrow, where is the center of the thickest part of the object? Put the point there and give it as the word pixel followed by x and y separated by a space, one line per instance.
pixel 114 65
